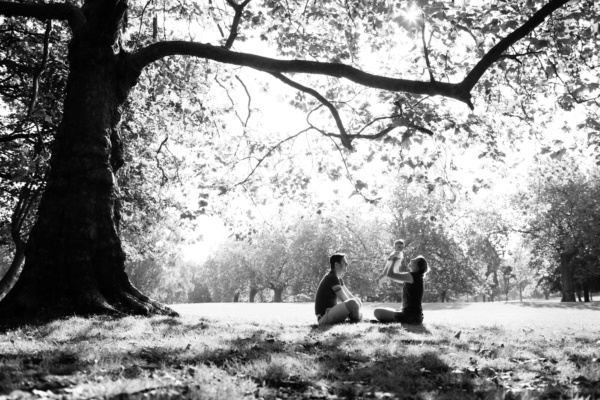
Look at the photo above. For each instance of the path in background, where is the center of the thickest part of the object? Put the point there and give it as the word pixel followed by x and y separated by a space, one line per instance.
pixel 528 315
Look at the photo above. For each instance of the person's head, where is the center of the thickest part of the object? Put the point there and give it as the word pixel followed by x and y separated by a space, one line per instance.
pixel 338 263
pixel 418 264
pixel 399 245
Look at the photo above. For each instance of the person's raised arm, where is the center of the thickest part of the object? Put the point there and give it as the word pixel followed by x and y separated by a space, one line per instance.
pixel 400 277
pixel 389 266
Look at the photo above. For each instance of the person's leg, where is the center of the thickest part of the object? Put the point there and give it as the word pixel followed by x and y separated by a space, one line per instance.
pixel 409 318
pixel 335 315
pixel 385 314
pixel 354 309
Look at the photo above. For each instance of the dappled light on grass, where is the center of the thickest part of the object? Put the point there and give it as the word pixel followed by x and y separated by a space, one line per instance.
pixel 233 357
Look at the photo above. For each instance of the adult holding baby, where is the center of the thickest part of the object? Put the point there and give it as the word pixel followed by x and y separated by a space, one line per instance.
pixel 412 293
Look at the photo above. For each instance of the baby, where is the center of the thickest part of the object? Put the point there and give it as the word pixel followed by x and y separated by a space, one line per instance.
pixel 394 261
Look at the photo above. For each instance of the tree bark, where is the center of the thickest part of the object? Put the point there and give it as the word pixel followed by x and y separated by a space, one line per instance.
pixel 567 275
pixel 253 292
pixel 586 292
pixel 278 295
pixel 75 262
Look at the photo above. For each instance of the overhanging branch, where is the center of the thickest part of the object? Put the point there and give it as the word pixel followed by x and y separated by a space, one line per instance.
pixel 156 51
pixel 498 50
pixel 459 91
pixel 43 12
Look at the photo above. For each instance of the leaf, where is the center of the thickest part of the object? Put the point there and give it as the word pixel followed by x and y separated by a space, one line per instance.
pixel 457 336
pixel 558 155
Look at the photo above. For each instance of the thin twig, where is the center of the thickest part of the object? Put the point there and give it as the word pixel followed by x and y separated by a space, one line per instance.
pixel 268 153
pixel 425 50
pixel 231 100
pixel 249 99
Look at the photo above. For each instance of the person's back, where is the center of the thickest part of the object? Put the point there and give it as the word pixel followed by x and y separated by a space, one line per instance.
pixel 326 297
pixel 412 295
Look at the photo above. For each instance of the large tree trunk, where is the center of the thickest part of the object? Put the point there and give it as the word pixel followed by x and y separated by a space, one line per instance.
pixel 74 257
pixel 566 275
pixel 13 272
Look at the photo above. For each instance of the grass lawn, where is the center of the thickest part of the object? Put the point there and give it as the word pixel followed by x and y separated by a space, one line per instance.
pixel 224 351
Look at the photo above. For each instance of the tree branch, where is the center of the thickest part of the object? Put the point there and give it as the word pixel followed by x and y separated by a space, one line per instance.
pixel 233 32
pixel 334 112
pixel 249 100
pixel 156 51
pixel 61 11
pixel 267 154
pixel 497 51
pixel 18 136
pixel 426 51
pixel 459 91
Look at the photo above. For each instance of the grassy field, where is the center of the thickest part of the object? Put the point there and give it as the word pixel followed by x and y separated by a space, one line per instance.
pixel 225 351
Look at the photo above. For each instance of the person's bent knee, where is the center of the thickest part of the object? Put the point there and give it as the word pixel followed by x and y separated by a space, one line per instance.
pixel 352 305
pixel 383 314
pixel 378 313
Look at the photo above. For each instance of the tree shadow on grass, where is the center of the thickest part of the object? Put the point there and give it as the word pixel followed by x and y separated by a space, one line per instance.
pixel 322 362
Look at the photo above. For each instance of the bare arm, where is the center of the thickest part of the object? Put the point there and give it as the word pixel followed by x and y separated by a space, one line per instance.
pixel 389 265
pixel 350 295
pixel 340 293
pixel 400 277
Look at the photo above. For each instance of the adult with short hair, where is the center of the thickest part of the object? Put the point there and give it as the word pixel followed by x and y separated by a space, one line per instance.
pixel 412 294
pixel 334 303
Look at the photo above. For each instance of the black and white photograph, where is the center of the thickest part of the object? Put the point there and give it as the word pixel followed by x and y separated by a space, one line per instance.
pixel 300 199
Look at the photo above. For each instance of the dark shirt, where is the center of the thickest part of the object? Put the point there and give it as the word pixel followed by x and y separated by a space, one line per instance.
pixel 326 297
pixel 412 295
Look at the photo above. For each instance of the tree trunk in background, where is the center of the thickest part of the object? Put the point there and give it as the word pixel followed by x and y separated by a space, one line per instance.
pixel 586 292
pixel 74 261
pixel 236 297
pixel 253 292
pixel 278 295
pixel 566 275
pixel 520 293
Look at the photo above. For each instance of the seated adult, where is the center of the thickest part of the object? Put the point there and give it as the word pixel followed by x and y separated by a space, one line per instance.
pixel 412 294
pixel 334 303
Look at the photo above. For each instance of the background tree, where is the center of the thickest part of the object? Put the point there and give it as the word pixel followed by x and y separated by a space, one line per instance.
pixel 563 220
